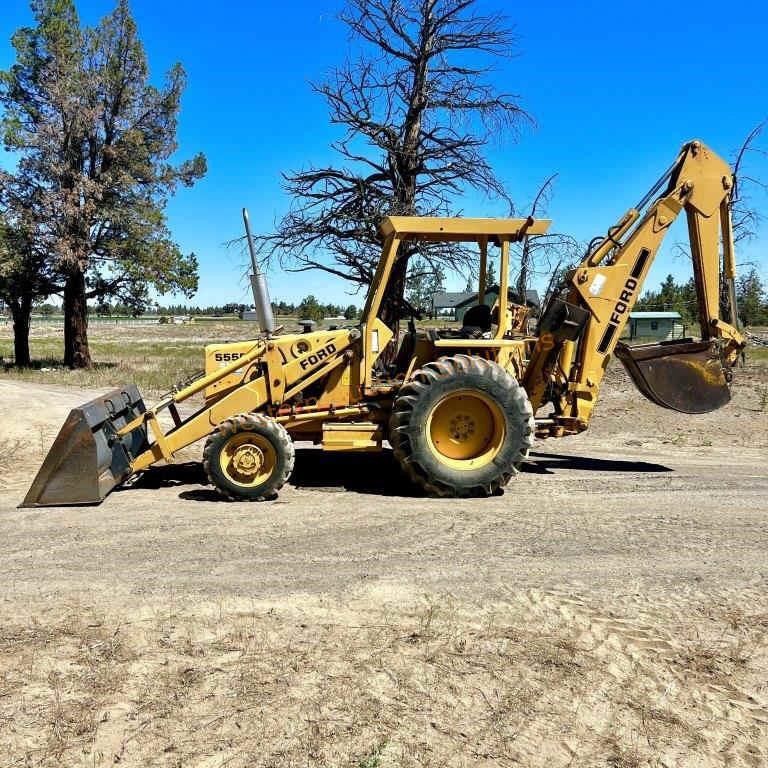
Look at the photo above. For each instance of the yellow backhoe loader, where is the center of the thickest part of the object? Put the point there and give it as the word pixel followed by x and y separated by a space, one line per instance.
pixel 459 407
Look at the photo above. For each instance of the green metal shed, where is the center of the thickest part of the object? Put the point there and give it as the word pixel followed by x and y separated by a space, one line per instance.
pixel 654 325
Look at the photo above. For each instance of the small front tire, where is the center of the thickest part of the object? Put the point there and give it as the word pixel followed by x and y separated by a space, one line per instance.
pixel 249 457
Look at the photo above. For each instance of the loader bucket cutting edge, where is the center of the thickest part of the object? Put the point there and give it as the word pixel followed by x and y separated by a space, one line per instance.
pixel 686 376
pixel 87 460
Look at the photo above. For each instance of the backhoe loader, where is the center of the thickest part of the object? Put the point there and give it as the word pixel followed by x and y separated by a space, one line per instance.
pixel 459 407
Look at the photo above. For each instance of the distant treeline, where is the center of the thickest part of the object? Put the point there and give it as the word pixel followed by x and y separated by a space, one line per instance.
pixel 309 307
pixel 751 298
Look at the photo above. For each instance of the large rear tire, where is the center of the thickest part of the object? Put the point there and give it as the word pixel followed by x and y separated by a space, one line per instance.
pixel 249 457
pixel 461 426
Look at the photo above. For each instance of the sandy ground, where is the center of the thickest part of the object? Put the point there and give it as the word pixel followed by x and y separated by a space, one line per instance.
pixel 610 609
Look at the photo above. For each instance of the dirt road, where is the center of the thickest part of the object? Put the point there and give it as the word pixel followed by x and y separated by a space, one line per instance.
pixel 632 559
pixel 580 517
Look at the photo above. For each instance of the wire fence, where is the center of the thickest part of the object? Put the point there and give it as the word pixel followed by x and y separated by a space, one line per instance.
pixel 58 320
pixel 757 341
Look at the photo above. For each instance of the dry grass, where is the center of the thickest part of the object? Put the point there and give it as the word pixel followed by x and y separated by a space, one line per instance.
pixel 757 356
pixel 153 356
pixel 157 356
pixel 59 676
pixel 440 685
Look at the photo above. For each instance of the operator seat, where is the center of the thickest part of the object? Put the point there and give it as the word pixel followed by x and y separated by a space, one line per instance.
pixel 477 321
pixel 405 352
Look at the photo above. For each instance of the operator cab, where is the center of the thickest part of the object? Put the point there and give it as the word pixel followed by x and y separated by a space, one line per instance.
pixel 487 318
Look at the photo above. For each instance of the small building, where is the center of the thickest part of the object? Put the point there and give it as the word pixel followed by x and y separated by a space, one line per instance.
pixel 444 303
pixel 654 326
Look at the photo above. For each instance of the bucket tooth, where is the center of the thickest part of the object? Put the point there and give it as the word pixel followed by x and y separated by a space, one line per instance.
pixel 686 376
pixel 87 459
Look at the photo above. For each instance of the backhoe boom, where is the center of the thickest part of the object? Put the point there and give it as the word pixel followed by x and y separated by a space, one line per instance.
pixel 582 325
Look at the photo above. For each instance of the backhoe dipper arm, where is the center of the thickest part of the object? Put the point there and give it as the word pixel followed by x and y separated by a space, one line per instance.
pixel 581 327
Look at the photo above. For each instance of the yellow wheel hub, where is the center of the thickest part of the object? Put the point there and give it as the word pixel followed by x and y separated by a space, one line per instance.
pixel 248 459
pixel 466 429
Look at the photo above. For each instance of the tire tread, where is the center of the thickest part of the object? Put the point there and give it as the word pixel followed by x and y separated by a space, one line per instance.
pixel 418 387
pixel 241 423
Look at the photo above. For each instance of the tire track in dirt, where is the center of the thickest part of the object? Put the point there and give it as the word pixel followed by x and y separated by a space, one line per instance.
pixel 651 671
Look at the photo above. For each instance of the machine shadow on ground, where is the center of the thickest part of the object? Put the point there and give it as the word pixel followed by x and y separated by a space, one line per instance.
pixel 167 476
pixel 547 463
pixel 376 473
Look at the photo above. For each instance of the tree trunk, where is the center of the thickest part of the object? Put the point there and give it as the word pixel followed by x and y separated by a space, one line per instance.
pixel 76 351
pixel 525 263
pixel 21 311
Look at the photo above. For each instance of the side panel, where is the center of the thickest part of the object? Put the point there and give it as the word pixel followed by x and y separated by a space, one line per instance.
pixel 218 356
pixel 289 359
pixel 305 353
pixel 352 436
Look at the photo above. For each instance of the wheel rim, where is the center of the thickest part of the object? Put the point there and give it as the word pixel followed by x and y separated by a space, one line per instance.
pixel 466 429
pixel 248 459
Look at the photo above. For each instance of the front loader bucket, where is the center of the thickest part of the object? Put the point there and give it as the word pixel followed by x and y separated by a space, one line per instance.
pixel 686 376
pixel 87 460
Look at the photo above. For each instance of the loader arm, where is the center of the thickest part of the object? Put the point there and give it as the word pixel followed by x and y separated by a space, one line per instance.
pixel 582 324
pixel 107 440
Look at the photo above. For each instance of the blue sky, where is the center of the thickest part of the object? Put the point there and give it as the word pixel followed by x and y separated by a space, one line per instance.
pixel 614 87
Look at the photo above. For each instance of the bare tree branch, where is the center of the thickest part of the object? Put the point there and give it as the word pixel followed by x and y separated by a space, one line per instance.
pixel 538 248
pixel 417 116
pixel 745 215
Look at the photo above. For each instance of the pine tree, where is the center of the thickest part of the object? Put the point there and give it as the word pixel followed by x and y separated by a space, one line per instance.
pixel 310 309
pixel 490 273
pixel 422 282
pixel 95 138
pixel 24 278
pixel 751 299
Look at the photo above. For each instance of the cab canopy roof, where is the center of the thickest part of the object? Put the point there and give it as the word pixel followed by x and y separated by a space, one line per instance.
pixel 443 229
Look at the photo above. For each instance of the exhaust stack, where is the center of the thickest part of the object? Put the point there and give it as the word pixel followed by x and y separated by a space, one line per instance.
pixel 261 303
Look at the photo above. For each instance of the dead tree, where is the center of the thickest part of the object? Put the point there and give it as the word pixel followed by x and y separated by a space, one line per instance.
pixel 417 111
pixel 745 214
pixel 531 245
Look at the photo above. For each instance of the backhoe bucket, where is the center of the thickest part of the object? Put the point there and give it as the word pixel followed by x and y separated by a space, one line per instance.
pixel 686 376
pixel 87 460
